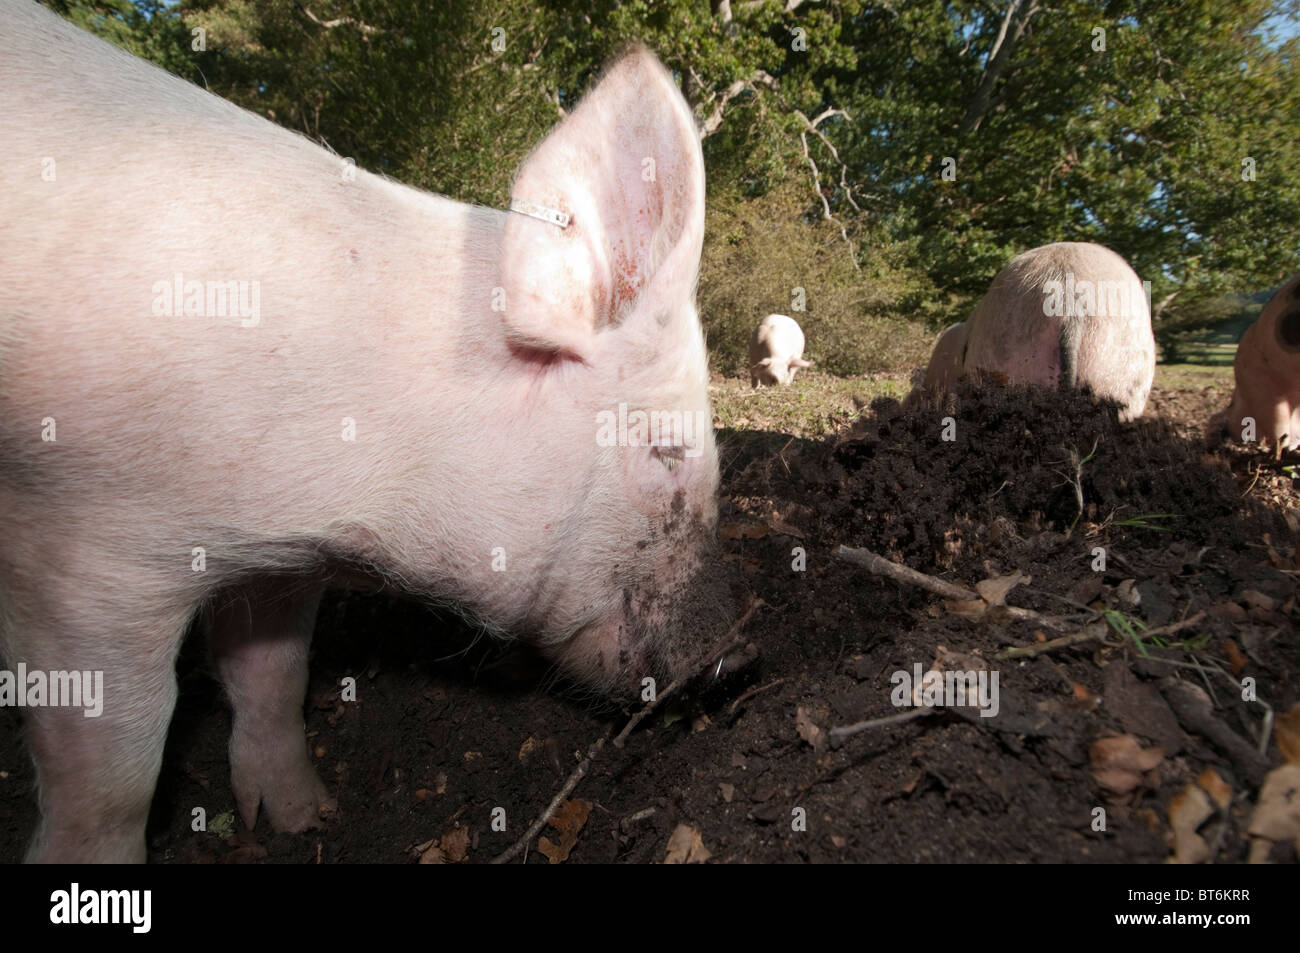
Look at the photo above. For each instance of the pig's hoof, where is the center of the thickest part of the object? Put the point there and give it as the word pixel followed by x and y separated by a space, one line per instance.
pixel 293 801
pixel 294 811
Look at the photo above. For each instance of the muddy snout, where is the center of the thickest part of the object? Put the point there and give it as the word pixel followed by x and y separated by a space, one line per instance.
pixel 698 615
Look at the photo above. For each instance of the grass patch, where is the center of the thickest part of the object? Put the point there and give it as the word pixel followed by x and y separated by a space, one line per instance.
pixel 813 406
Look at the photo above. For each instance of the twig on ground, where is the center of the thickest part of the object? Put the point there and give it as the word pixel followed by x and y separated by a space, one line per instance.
pixel 556 801
pixel 727 643
pixel 1092 634
pixel 1173 627
pixel 880 566
pixel 1194 712
pixel 837 735
pixel 752 692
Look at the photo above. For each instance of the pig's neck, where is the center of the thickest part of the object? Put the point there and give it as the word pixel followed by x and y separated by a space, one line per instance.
pixel 485 466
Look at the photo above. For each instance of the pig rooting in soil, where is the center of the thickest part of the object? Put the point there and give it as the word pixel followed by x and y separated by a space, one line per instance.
pixel 506 411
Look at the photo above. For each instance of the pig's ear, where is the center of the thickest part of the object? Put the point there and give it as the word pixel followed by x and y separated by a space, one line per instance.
pixel 626 168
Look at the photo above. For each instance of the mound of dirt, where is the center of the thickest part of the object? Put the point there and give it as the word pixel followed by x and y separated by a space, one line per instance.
pixel 1119 529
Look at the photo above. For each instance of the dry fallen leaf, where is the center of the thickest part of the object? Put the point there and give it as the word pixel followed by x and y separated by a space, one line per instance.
pixel 455 844
pixel 568 821
pixel 429 852
pixel 1286 732
pixel 994 590
pixel 1236 660
pixel 1220 791
pixel 1277 813
pixel 807 728
pixel 529 746
pixel 1257 599
pixel 685 846
pixel 728 791
pixel 1085 698
pixel 1188 810
pixel 910 786
pixel 1118 762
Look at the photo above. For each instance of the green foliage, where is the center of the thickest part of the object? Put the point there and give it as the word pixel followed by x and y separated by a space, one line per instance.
pixel 1147 145
pixel 762 256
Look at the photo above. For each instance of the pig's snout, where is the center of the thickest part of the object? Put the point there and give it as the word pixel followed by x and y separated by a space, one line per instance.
pixel 664 629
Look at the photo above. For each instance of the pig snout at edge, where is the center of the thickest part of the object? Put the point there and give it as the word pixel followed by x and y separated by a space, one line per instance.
pixel 1266 375
pixel 1069 314
pixel 481 469
pixel 776 351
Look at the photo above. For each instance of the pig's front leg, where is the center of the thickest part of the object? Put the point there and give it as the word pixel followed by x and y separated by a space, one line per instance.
pixel 260 636
pixel 83 609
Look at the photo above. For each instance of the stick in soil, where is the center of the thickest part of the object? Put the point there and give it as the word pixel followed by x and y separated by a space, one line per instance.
pixel 752 692
pixel 880 566
pixel 729 642
pixel 1092 634
pixel 836 735
pixel 556 801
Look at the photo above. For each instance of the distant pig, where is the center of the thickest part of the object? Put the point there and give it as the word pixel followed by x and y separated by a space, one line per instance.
pixel 1071 314
pixel 1266 400
pixel 234 369
pixel 776 351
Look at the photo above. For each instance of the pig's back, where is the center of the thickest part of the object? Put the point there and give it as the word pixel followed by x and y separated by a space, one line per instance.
pixel 1111 351
pixel 1008 333
pixel 155 178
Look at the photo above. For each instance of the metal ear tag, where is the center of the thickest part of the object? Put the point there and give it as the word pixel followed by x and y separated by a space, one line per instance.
pixel 533 210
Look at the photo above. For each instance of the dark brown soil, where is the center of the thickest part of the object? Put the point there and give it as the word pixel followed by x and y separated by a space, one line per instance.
pixel 450 727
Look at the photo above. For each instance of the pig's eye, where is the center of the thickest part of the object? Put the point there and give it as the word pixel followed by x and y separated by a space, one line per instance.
pixel 1288 330
pixel 670 457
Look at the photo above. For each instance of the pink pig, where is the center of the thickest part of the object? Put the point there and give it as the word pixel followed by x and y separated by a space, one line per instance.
pixel 234 369
pixel 1267 374
pixel 776 351
pixel 1072 314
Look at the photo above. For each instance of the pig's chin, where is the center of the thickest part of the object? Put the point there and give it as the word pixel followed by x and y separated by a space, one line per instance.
pixel 611 657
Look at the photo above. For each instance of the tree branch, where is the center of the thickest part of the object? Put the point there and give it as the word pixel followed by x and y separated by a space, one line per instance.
pixel 1014 23
pixel 826 205
pixel 340 21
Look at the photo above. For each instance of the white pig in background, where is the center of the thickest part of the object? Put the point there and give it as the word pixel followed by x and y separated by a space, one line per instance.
pixel 776 351
pixel 1071 314
pixel 235 369
pixel 1267 374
